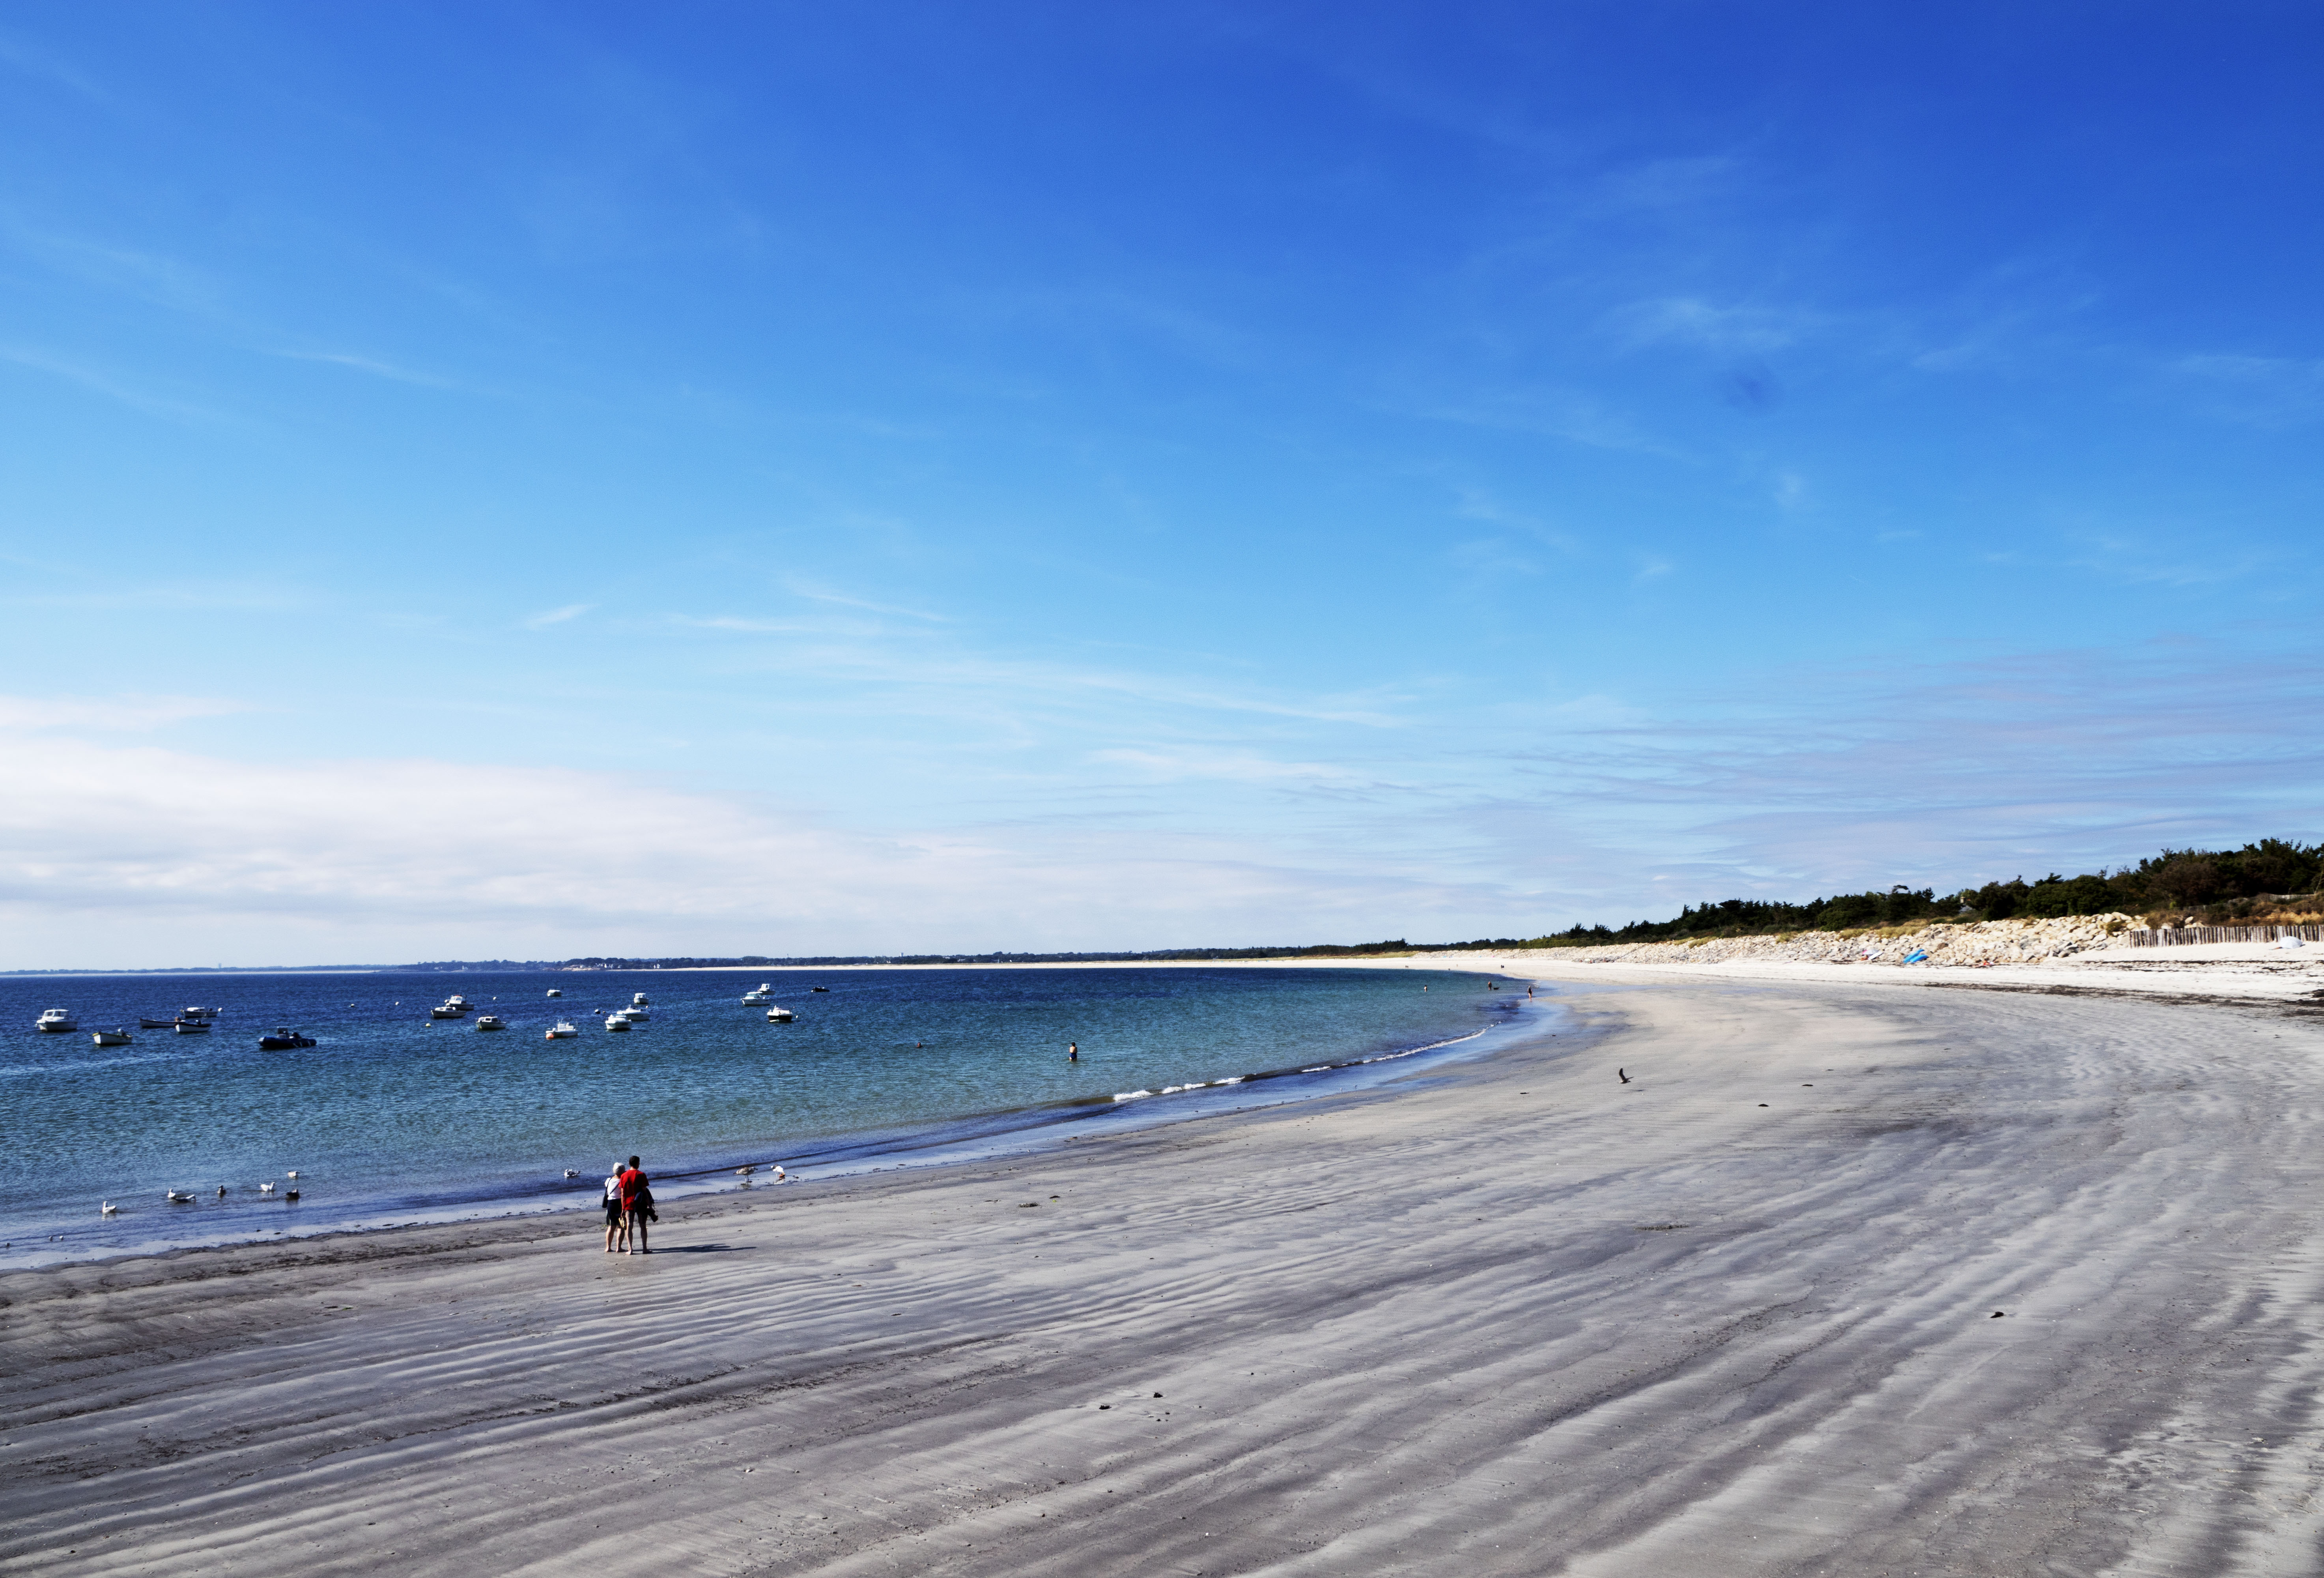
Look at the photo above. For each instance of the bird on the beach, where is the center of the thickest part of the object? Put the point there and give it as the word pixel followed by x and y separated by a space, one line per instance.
pixel 1622 1076
pixel 266 1188
pixel 743 1172
pixel 572 1172
pixel 292 1173
pixel 221 1191
pixel 108 1209
pixel 293 1194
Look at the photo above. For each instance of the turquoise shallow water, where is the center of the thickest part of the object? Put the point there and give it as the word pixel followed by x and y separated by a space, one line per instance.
pixel 392 1117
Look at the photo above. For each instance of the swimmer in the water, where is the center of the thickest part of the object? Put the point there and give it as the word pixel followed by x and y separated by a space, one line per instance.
pixel 1072 1052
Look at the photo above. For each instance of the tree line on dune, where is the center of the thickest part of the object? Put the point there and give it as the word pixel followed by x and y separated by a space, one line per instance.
pixel 2207 886
pixel 2273 878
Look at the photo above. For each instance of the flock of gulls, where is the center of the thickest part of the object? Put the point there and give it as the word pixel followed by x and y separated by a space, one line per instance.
pixel 187 1196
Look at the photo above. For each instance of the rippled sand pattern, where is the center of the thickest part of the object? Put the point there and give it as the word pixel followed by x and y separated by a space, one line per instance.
pixel 1521 1319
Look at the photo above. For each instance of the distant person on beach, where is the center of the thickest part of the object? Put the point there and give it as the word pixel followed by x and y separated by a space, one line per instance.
pixel 637 1205
pixel 1072 1052
pixel 617 1225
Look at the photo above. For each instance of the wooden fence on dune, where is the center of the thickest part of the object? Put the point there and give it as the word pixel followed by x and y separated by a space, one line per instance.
pixel 2181 936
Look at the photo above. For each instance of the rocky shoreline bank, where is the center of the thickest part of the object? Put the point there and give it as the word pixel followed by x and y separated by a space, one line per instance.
pixel 2000 942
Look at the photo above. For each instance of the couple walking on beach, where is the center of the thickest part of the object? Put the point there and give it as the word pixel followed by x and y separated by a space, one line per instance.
pixel 629 1206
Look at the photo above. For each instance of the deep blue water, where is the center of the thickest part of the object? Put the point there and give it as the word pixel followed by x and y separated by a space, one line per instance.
pixel 394 1118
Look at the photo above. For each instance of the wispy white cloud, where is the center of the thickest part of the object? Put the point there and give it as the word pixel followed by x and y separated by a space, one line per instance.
pixel 1727 328
pixel 114 386
pixel 571 611
pixel 32 61
pixel 1570 415
pixel 2270 392
pixel 109 714
pixel 147 276
pixel 373 365
pixel 1232 766
pixel 113 854
pixel 820 593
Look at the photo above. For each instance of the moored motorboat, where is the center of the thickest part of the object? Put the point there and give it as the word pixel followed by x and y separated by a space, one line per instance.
pixel 55 1019
pixel 200 1013
pixel 192 1027
pixel 490 1021
pixel 616 1022
pixel 762 993
pixel 779 1016
pixel 110 1037
pixel 637 1000
pixel 284 1040
pixel 555 991
pixel 452 1009
pixel 820 989
pixel 155 1024
pixel 562 1030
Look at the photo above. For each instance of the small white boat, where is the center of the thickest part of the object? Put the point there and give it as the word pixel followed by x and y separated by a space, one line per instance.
pixel 490 1021
pixel 555 991
pixel 55 1019
pixel 562 1030
pixel 616 1022
pixel 763 992
pixel 192 1027
pixel 637 1000
pixel 200 1013
pixel 457 1000
pixel 453 1009
pixel 636 1016
pixel 779 1016
pixel 110 1037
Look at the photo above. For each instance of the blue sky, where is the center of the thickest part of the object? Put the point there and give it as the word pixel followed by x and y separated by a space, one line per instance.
pixel 529 479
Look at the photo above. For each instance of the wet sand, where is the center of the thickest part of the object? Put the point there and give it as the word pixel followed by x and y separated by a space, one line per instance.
pixel 1519 1317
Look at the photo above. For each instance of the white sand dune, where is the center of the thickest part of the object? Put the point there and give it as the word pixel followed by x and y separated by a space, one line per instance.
pixel 1516 1318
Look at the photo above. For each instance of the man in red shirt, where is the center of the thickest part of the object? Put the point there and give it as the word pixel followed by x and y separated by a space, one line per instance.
pixel 637 1201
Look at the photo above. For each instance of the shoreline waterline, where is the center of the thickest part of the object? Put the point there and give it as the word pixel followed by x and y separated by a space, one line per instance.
pixel 950 1126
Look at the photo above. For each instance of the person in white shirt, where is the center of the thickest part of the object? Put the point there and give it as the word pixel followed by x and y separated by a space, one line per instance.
pixel 617 1223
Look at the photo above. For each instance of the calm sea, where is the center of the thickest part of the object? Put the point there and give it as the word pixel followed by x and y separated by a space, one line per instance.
pixel 394 1118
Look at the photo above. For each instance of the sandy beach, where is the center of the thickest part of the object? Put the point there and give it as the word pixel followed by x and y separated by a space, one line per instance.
pixel 1735 1317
